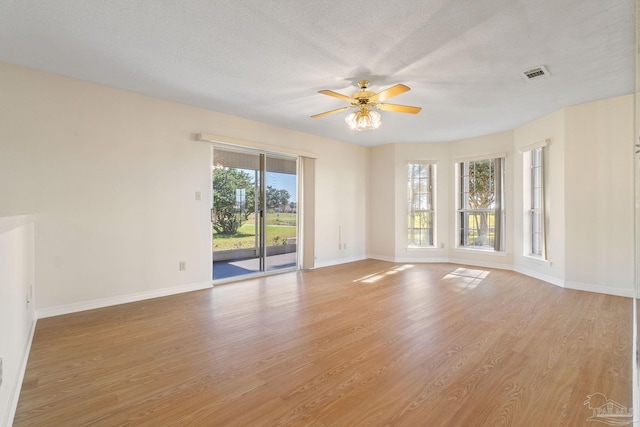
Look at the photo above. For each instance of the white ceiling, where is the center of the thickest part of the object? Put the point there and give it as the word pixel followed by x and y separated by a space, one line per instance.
pixel 266 60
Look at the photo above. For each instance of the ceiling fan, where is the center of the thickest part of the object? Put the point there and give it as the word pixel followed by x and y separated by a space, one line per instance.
pixel 364 118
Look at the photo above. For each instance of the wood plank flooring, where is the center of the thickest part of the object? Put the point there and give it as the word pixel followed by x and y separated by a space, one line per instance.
pixel 369 343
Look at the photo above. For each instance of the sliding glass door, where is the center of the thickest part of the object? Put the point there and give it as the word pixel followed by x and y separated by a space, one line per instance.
pixel 281 213
pixel 254 213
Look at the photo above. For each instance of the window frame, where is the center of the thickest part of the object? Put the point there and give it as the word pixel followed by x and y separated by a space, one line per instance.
pixel 430 209
pixel 534 202
pixel 496 207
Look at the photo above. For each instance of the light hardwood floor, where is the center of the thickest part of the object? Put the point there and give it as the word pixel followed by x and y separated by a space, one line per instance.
pixel 362 344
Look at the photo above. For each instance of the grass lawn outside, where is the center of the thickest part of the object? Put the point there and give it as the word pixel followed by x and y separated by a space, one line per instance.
pixel 275 218
pixel 280 227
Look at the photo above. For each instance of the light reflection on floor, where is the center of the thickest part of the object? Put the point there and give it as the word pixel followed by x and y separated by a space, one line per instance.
pixel 465 279
pixel 372 278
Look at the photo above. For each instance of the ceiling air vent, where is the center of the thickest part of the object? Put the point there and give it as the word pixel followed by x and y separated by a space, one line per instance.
pixel 536 73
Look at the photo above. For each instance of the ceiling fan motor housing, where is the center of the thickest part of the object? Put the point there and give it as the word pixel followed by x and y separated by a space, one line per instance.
pixel 365 100
pixel 362 96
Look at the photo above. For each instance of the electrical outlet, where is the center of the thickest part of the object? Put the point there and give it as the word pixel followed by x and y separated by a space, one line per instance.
pixel 182 266
pixel 198 195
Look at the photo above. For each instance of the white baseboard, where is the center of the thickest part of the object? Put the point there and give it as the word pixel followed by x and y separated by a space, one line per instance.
pixel 17 386
pixel 422 260
pixel 339 261
pixel 588 287
pixel 540 276
pixel 409 259
pixel 531 273
pixel 382 258
pixel 599 289
pixel 121 299
pixel 484 264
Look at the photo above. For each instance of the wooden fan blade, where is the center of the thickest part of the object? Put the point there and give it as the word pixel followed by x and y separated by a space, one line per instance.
pixel 336 95
pixel 337 110
pixel 399 108
pixel 388 93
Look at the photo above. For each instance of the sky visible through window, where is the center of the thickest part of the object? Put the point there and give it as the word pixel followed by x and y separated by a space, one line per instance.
pixel 279 180
pixel 284 181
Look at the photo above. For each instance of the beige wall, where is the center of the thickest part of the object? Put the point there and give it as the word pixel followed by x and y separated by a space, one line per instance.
pixel 599 195
pixel 389 205
pixel 342 185
pixel 382 215
pixel 589 196
pixel 112 177
pixel 551 128
pixel 16 306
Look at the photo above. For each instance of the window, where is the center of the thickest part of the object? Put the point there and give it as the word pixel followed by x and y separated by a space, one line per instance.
pixel 481 204
pixel 421 216
pixel 533 200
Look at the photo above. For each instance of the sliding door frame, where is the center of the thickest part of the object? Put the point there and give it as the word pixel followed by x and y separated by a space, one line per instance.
pixel 305 219
pixel 306 182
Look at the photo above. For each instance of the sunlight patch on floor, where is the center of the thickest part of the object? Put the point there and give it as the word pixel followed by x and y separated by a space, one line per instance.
pixel 465 279
pixel 372 278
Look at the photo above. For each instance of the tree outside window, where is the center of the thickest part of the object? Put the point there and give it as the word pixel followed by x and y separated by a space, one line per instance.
pixel 421 215
pixel 480 212
pixel 233 199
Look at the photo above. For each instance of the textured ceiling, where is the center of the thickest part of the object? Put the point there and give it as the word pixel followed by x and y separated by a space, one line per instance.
pixel 266 60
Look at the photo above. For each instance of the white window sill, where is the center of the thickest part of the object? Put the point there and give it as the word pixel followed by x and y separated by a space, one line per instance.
pixel 482 251
pixel 537 260
pixel 422 248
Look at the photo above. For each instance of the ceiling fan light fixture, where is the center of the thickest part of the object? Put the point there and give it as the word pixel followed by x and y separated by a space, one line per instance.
pixel 363 119
pixel 364 101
